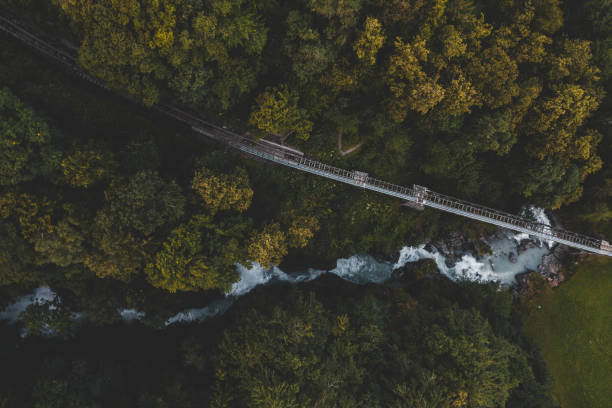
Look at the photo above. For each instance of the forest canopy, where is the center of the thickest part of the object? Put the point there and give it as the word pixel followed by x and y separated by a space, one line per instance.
pixel 493 101
pixel 474 85
pixel 116 208
pixel 426 344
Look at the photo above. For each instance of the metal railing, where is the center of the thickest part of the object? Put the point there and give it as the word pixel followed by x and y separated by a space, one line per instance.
pixel 416 194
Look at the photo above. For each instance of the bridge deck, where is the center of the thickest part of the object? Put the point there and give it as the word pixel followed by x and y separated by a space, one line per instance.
pixel 415 194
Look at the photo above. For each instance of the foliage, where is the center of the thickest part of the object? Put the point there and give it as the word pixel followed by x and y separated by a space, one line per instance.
pixel 363 351
pixel 277 113
pixel 25 140
pixel 43 318
pixel 63 246
pixel 369 41
pixel 31 213
pixel 86 165
pixel 222 192
pixel 144 203
pixel 199 255
pixel 409 84
pixel 133 211
pixel 599 15
pixel 202 50
pixel 301 230
pixel 16 257
pixel 268 246
pixel 500 101
pixel 509 78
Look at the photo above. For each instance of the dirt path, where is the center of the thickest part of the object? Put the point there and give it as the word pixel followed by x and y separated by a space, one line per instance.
pixel 345 152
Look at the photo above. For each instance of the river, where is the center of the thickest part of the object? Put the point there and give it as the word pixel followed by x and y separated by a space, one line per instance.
pixel 500 266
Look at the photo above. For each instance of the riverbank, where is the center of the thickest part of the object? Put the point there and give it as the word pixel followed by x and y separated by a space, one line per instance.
pixel 496 258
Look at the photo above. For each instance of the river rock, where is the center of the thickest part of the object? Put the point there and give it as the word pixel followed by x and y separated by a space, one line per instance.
pixel 456 245
pixel 550 268
pixel 528 284
pixel 512 257
pixel 524 245
pixel 414 271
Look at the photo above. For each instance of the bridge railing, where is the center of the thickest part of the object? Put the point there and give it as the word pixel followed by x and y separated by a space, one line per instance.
pixel 542 230
pixel 452 203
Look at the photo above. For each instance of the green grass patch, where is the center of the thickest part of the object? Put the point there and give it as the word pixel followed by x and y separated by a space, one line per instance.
pixel 573 326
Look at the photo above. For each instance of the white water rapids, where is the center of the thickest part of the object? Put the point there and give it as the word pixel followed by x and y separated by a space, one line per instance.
pixel 358 269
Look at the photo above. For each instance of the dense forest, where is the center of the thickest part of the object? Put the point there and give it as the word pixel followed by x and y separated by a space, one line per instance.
pixel 422 343
pixel 499 102
pixel 113 206
pixel 469 85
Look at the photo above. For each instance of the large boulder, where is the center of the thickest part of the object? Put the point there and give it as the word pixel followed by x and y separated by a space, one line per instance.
pixel 525 245
pixel 550 269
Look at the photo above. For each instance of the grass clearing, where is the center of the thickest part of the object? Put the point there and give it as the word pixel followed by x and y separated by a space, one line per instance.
pixel 574 330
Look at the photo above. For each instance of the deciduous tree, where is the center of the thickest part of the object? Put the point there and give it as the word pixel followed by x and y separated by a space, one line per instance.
pixel 301 230
pixel 134 210
pixel 410 87
pixel 86 165
pixel 277 112
pixel 199 255
pixel 25 142
pixel 16 257
pixel 269 246
pixel 223 191
pixel 369 41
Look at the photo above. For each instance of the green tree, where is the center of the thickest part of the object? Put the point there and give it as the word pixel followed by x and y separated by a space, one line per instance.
pixel 277 112
pixel 223 191
pixel 558 117
pixel 268 246
pixel 64 246
pixel 32 213
pixel 134 210
pixel 199 255
pixel 550 183
pixel 377 349
pixel 549 15
pixel 301 230
pixel 573 62
pixel 86 165
pixel 460 96
pixel 599 14
pixel 460 362
pixel 409 85
pixel 49 317
pixel 124 42
pixel 346 11
pixel 494 73
pixel 16 257
pixel 144 202
pixel 495 132
pixel 369 41
pixel 25 142
pixel 309 54
pixel 218 57
pixel 278 365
